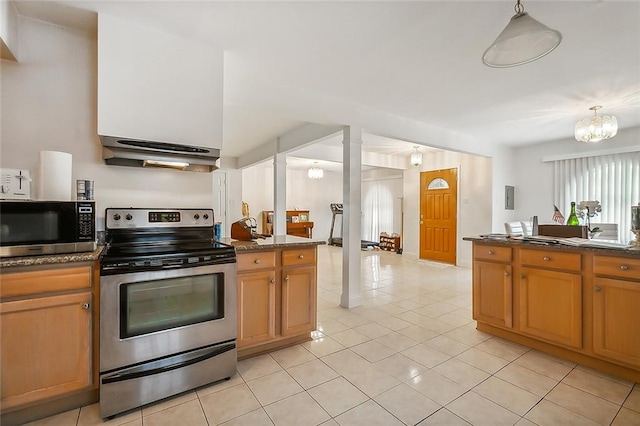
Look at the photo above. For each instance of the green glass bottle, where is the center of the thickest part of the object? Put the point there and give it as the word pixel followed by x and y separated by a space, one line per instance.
pixel 573 219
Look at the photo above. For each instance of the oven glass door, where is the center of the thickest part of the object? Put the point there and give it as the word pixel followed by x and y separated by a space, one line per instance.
pixel 154 314
pixel 157 305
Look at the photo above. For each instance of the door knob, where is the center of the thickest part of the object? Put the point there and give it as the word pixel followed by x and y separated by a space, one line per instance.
pixel 86 306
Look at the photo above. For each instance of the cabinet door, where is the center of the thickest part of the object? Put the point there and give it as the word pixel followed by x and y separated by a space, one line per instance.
pixel 298 300
pixel 492 293
pixel 46 347
pixel 616 320
pixel 256 307
pixel 551 306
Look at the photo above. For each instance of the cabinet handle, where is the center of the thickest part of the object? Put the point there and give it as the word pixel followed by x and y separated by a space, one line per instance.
pixel 546 258
pixel 624 267
pixel 597 288
pixel 286 278
pixel 257 261
pixel 86 306
pixel 301 257
pixel 506 274
pixel 273 281
pixel 491 252
pixel 523 276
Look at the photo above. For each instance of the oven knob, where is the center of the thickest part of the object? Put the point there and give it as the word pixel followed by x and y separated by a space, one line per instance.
pixel 116 216
pixel 205 216
pixel 196 216
pixel 128 216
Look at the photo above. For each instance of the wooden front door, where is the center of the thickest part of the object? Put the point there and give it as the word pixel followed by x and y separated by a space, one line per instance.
pixel 438 215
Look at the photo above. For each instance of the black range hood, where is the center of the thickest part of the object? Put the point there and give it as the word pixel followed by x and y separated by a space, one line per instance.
pixel 118 151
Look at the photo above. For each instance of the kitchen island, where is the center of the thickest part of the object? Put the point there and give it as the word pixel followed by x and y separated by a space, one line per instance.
pixel 578 303
pixel 277 292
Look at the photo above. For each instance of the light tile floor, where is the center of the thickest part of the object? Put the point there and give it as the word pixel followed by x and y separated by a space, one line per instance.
pixel 409 355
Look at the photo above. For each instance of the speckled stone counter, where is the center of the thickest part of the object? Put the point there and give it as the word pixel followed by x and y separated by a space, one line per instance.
pixel 631 251
pixel 51 259
pixel 280 241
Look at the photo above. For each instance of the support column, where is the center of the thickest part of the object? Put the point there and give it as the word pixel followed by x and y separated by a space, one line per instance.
pixel 279 194
pixel 352 224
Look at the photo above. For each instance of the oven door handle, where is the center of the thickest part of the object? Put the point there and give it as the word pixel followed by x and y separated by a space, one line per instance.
pixel 162 366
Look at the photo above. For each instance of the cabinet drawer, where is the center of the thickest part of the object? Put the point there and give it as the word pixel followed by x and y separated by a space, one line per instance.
pixel 301 256
pixel 551 259
pixel 495 253
pixel 623 267
pixel 44 281
pixel 256 260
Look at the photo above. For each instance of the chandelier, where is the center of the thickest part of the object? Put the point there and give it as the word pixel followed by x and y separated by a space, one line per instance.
pixel 523 40
pixel 315 172
pixel 416 157
pixel 596 128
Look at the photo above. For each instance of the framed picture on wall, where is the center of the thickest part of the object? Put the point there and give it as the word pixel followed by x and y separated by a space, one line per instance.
pixel 295 219
pixel 304 217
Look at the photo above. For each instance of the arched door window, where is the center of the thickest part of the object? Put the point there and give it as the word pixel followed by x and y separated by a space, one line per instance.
pixel 438 183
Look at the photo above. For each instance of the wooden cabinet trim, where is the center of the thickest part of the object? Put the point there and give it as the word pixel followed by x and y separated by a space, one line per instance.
pixel 551 259
pixel 256 260
pixel 617 266
pixel 299 256
pixel 15 284
pixel 492 253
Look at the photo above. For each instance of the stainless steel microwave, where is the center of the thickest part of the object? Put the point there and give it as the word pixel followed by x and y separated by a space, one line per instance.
pixel 29 228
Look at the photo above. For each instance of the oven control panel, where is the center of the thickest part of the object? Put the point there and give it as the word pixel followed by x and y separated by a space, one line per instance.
pixel 127 218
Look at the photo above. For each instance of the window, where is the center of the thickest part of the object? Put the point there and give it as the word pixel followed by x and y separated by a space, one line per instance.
pixel 614 180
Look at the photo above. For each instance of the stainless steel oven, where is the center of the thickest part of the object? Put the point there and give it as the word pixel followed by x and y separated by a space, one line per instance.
pixel 167 306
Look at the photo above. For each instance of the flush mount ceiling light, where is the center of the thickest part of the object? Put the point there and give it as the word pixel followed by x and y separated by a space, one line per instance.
pixel 523 40
pixel 416 157
pixel 315 172
pixel 596 128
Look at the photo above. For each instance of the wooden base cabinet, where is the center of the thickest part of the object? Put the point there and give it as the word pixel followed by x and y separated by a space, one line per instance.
pixel 616 309
pixel 276 298
pixel 47 337
pixel 579 304
pixel 492 293
pixel 256 307
pixel 551 306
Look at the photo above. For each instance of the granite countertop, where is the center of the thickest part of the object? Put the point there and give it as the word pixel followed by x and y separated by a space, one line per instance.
pixel 555 246
pixel 87 256
pixel 278 241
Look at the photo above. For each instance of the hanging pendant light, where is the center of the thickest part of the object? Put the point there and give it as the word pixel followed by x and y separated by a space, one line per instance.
pixel 523 40
pixel 416 157
pixel 315 172
pixel 596 128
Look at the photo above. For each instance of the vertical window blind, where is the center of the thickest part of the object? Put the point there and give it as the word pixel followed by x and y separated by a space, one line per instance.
pixel 614 180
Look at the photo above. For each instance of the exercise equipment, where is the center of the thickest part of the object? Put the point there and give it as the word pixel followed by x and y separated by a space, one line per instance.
pixel 338 209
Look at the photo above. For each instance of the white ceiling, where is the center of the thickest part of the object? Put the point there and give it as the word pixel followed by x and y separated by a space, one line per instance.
pixel 287 63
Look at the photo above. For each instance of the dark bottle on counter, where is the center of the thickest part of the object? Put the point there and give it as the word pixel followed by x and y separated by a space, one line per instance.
pixel 573 219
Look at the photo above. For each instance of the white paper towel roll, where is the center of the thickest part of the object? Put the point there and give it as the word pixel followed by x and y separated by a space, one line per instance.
pixel 55 176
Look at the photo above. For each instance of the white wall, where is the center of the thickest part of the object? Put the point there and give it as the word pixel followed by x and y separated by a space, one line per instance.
pixel 9 30
pixel 474 200
pixel 156 86
pixel 49 102
pixel 302 194
pixel 534 191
